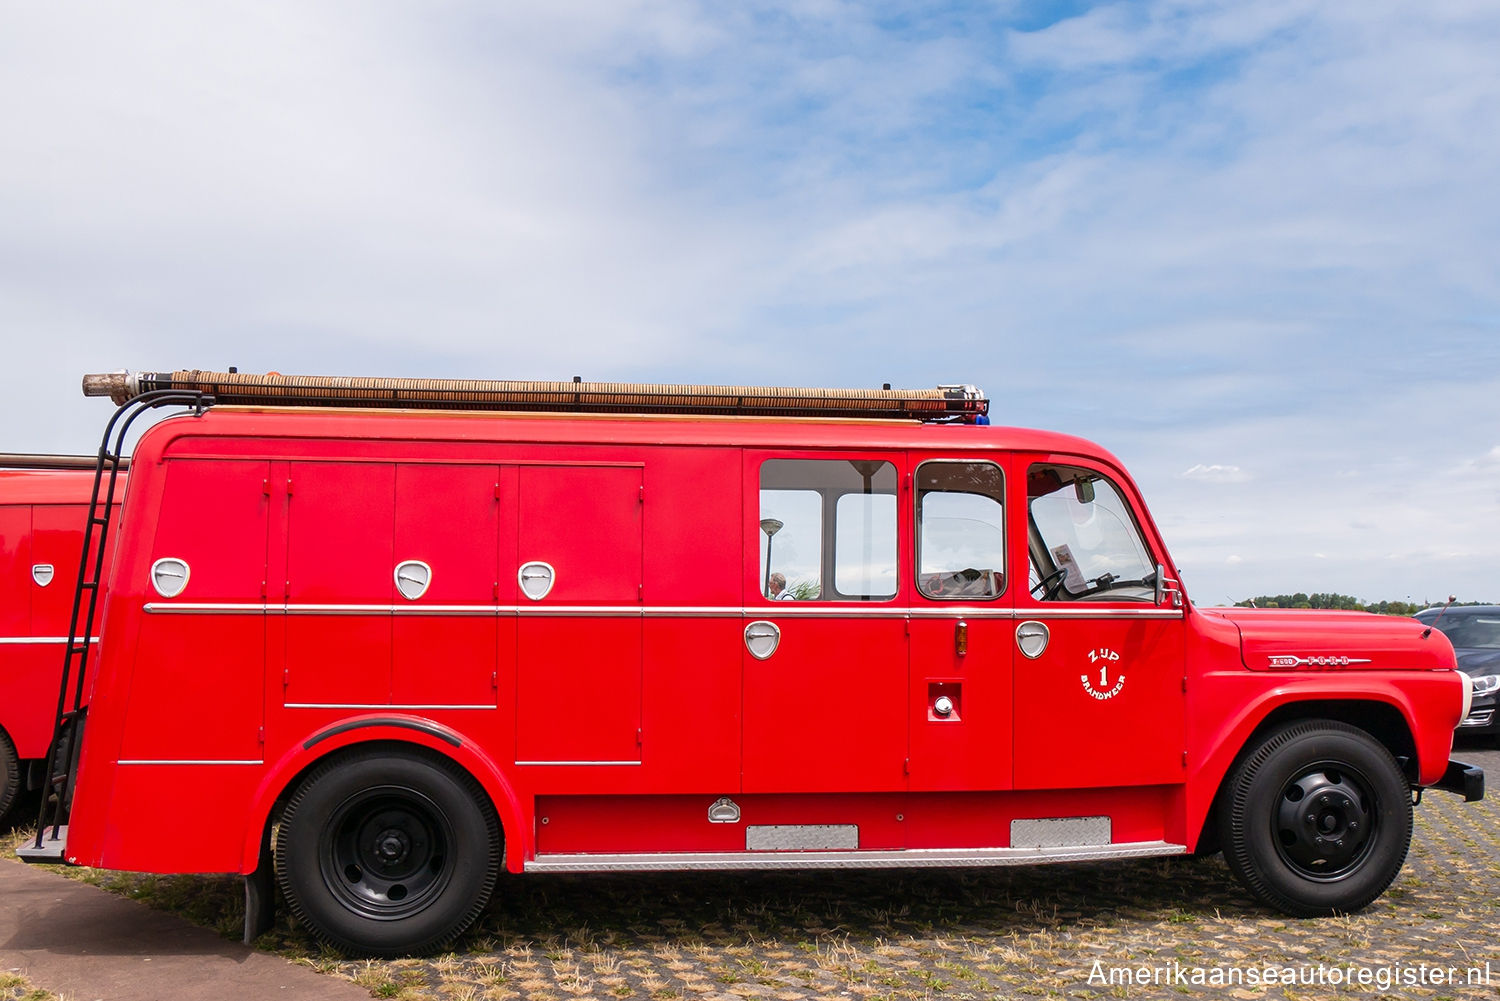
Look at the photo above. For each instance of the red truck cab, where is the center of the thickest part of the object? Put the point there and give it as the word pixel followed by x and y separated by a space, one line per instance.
pixel 422 645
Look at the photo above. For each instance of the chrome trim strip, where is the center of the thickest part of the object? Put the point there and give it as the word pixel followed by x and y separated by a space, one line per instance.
pixel 39 639
pixel 1042 612
pixel 819 610
pixel 783 609
pixel 379 705
pixel 907 859
pixel 185 761
pixel 457 611
pixel 588 611
pixel 698 611
pixel 590 763
pixel 206 608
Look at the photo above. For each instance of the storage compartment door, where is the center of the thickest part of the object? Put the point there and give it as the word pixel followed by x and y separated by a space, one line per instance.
pixel 198 682
pixel 340 586
pixel 578 649
pixel 447 524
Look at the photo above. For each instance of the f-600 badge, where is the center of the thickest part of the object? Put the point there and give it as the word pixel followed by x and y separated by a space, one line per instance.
pixel 1111 678
pixel 1337 660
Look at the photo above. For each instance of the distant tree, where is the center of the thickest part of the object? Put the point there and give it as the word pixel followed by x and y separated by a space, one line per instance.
pixel 1340 601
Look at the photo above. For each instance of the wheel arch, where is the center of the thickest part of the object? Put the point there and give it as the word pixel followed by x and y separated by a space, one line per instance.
pixel 1385 721
pixel 395 731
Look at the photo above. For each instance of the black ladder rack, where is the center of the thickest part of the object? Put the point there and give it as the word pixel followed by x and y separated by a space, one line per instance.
pixel 62 756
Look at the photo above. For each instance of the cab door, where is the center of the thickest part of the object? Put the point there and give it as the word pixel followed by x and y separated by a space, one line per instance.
pixel 962 634
pixel 1099 670
pixel 825 663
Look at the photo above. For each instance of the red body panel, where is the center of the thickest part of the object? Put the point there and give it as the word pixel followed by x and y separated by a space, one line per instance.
pixel 609 713
pixel 43 517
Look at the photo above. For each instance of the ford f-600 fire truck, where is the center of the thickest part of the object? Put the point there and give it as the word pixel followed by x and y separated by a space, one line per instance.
pixel 389 636
pixel 43 504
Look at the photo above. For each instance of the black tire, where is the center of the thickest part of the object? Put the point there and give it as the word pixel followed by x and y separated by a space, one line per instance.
pixel 387 852
pixel 1317 819
pixel 10 775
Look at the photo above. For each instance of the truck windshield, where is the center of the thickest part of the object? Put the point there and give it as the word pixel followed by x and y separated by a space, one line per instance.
pixel 1084 539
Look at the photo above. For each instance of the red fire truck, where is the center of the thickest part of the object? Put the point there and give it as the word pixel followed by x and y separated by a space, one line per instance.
pixel 43 500
pixel 385 652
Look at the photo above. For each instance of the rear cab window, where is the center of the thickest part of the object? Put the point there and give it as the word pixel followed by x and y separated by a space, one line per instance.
pixel 827 530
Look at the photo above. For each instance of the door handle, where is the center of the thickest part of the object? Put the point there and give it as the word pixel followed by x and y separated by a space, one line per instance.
pixel 762 638
pixel 1032 637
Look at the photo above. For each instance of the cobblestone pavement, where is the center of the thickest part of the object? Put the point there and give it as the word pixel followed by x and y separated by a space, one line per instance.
pixel 1035 931
pixel 1042 931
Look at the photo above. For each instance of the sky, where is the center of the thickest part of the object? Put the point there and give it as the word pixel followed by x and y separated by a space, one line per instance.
pixel 1249 248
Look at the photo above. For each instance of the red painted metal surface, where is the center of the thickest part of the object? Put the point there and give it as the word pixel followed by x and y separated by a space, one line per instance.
pixel 609 714
pixel 443 653
pixel 42 522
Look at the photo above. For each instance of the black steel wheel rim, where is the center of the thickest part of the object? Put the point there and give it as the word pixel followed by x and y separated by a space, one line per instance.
pixel 1325 821
pixel 387 853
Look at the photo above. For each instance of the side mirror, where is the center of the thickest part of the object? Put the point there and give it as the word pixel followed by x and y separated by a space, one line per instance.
pixel 1162 590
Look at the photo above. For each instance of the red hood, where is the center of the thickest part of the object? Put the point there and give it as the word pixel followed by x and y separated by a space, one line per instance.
pixel 1292 639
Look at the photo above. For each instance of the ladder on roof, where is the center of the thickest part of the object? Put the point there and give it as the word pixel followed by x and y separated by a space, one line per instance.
pixel 62 758
pixel 946 404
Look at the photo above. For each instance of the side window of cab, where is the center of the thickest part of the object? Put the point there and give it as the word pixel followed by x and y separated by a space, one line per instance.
pixel 1083 539
pixel 827 530
pixel 960 530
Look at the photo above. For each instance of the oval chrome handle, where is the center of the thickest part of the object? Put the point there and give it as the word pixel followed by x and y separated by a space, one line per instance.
pixel 762 638
pixel 536 579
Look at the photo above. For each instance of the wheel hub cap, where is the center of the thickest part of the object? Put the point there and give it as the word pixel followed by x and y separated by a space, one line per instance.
pixel 392 846
pixel 1323 823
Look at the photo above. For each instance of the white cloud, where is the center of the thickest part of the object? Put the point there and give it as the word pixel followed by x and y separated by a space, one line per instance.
pixel 1215 474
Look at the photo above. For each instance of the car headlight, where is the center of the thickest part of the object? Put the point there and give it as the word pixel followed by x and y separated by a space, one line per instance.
pixel 1484 684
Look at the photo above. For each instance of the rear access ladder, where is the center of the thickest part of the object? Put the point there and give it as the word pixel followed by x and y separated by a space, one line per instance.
pixel 50 844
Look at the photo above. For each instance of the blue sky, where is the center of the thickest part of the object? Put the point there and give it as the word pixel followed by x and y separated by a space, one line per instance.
pixel 1251 248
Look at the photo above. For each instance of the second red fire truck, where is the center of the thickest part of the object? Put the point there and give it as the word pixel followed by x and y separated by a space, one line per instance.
pixel 43 504
pixel 388 644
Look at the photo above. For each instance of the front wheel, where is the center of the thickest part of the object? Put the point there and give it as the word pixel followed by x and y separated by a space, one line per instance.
pixel 1317 819
pixel 387 852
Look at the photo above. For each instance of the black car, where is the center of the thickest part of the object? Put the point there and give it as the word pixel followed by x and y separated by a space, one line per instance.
pixel 1474 631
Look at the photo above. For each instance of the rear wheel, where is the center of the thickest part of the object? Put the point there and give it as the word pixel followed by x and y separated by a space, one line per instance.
pixel 1317 819
pixel 10 775
pixel 387 852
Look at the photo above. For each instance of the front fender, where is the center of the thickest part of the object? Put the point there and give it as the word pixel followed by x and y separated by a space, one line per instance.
pixel 388 727
pixel 1228 707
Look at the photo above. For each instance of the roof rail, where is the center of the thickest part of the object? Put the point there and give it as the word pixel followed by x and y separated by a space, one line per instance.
pixel 945 403
pixel 20 460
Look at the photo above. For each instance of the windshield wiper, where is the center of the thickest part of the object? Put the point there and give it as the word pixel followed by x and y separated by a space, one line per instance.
pixel 1109 582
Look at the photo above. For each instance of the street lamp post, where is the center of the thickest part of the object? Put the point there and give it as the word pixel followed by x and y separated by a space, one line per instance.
pixel 770 526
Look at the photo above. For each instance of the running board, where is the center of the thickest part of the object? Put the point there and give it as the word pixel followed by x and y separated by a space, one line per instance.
pixel 915 858
pixel 52 849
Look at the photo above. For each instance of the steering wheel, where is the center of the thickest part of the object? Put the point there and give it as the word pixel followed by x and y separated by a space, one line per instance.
pixel 1048 586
